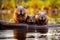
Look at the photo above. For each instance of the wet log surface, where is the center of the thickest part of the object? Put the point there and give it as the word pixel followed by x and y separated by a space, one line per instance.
pixel 8 25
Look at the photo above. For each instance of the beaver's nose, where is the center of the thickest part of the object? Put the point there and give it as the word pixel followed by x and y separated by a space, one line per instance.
pixel 20 10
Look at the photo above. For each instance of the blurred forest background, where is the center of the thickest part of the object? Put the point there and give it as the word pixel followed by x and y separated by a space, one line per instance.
pixel 7 7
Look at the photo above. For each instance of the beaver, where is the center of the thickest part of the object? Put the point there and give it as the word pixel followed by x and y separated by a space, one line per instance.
pixel 30 19
pixel 19 17
pixel 41 20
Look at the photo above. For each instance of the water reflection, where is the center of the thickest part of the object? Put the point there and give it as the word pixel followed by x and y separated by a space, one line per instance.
pixel 53 34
